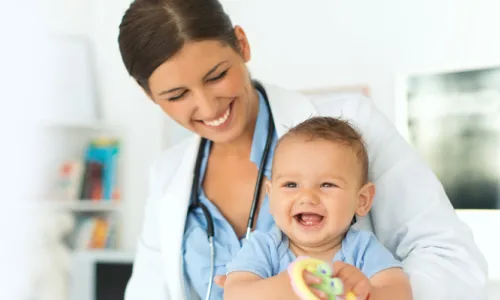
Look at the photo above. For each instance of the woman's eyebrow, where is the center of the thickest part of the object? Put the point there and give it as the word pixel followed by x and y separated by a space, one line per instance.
pixel 213 69
pixel 204 77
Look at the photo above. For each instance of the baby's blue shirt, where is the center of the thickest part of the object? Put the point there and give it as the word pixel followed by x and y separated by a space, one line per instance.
pixel 268 253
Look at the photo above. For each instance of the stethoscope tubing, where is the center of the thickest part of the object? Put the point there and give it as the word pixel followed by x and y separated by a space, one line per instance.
pixel 195 202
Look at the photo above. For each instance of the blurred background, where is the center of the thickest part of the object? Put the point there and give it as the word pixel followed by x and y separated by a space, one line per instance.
pixel 79 136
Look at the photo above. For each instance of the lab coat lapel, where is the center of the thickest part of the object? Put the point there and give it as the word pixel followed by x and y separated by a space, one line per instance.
pixel 289 108
pixel 172 217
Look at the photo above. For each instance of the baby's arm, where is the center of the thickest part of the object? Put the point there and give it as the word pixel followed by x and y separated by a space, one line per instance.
pixel 388 284
pixel 253 272
pixel 387 278
pixel 247 285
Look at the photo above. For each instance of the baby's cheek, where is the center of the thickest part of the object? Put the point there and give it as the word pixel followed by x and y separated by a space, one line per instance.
pixel 278 206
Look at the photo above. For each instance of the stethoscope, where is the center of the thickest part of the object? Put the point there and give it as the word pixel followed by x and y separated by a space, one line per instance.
pixel 195 202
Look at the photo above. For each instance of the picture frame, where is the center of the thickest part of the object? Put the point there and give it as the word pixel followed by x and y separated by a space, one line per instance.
pixel 455 112
pixel 361 89
pixel 452 119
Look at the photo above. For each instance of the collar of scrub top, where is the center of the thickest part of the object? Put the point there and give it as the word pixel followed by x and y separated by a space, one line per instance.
pixel 195 185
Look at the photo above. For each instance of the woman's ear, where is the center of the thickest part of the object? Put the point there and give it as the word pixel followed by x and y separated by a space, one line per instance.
pixel 365 199
pixel 243 43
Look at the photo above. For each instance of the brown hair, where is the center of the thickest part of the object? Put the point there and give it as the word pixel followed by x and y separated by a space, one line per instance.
pixel 152 31
pixel 334 130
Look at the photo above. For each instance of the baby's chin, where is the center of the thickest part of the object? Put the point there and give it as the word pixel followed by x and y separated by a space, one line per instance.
pixel 314 242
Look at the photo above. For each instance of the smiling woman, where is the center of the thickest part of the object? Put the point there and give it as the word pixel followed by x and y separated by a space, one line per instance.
pixel 191 62
pixel 202 92
pixel 209 75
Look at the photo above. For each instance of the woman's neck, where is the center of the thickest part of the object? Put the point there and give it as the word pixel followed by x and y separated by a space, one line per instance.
pixel 242 145
pixel 325 252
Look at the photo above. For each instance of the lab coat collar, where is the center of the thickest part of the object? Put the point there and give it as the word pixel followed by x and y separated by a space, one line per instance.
pixel 288 109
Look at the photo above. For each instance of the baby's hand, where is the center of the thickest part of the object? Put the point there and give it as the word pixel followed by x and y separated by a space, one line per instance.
pixel 353 279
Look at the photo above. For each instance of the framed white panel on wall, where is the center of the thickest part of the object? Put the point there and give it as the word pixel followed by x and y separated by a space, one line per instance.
pixel 355 89
pixel 452 118
pixel 75 90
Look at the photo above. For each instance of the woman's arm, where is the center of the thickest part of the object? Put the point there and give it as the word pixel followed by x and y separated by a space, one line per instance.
pixel 411 213
pixel 390 284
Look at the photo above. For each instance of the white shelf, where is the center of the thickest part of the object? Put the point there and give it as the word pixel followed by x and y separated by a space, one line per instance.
pixel 85 125
pixel 105 254
pixel 85 205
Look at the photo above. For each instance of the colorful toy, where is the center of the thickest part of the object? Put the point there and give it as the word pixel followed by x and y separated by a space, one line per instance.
pixel 333 287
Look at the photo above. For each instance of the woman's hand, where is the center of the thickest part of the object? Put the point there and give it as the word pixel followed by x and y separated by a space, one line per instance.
pixel 220 280
pixel 353 279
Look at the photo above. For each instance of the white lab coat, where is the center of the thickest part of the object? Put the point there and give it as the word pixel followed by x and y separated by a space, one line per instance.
pixel 411 213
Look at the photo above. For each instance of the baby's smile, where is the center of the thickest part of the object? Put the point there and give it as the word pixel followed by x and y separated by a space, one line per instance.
pixel 309 221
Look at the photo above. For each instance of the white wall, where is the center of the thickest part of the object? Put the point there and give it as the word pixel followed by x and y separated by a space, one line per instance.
pixel 328 43
pixel 24 97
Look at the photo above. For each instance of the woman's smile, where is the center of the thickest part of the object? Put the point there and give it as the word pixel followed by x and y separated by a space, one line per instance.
pixel 222 121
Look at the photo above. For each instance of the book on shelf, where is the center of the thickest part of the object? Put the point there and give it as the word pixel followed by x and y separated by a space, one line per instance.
pixel 93 176
pixel 96 232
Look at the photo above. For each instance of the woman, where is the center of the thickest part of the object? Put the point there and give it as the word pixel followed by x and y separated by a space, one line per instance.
pixel 191 62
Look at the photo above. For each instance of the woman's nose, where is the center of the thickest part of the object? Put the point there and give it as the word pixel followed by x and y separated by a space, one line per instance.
pixel 308 196
pixel 206 105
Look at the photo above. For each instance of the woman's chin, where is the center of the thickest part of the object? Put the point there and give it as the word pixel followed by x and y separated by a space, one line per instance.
pixel 220 136
pixel 226 136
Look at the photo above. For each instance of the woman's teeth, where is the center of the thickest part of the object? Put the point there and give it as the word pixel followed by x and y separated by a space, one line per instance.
pixel 220 120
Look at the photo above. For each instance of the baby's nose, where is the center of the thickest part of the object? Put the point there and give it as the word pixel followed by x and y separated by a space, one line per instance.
pixel 309 197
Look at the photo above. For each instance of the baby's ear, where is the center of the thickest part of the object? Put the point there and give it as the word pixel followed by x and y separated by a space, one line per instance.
pixel 365 199
pixel 268 186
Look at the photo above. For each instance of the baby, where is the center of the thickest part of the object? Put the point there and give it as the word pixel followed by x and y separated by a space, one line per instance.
pixel 319 184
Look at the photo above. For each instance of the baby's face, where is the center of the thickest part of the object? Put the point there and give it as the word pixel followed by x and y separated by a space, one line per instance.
pixel 315 190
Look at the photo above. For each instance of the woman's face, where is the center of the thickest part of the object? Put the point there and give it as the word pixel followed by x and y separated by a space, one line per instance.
pixel 207 89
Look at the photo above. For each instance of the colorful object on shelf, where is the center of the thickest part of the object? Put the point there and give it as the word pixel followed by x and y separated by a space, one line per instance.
pixel 99 180
pixel 69 179
pixel 333 287
pixel 96 232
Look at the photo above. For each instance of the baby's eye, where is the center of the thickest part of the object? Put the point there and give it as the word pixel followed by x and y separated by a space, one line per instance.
pixel 328 185
pixel 290 184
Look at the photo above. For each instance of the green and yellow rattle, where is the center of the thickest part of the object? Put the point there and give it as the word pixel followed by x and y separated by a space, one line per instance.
pixel 333 287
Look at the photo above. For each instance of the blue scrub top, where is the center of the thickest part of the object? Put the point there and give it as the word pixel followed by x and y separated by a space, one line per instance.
pixel 196 252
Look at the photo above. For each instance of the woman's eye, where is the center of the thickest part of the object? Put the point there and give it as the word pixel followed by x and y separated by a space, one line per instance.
pixel 328 185
pixel 177 97
pixel 290 185
pixel 218 77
